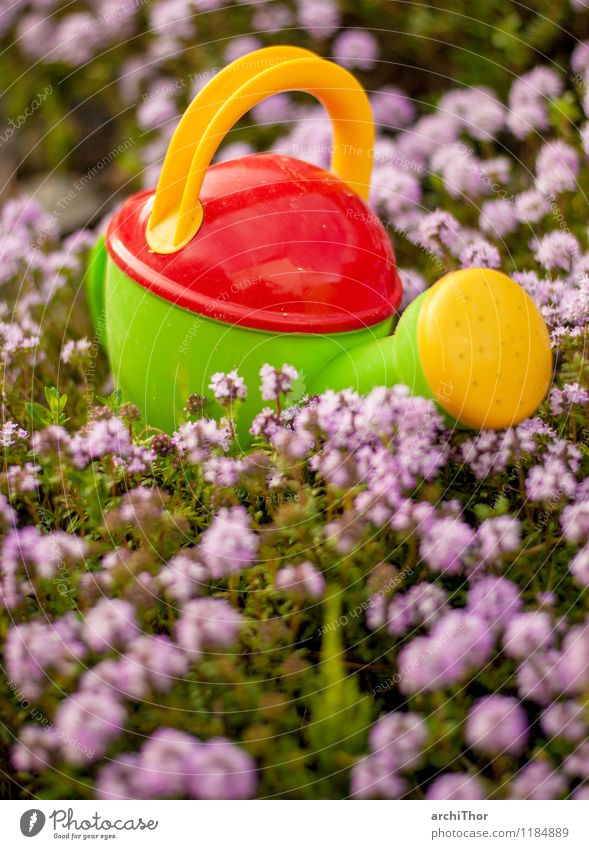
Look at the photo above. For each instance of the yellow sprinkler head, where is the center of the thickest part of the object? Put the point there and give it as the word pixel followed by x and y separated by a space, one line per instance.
pixel 484 348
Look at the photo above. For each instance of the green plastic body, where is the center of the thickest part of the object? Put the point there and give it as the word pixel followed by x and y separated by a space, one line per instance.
pixel 384 362
pixel 380 362
pixel 160 353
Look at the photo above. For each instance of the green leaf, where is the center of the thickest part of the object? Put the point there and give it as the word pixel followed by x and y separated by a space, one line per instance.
pixel 37 413
pixel 483 511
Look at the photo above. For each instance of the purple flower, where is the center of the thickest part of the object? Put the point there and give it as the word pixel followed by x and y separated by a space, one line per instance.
pixel 34 650
pixel 445 545
pixel 558 249
pixel 413 285
pixel 494 600
pixel 76 352
pixel 374 777
pixel 158 661
pixel 394 190
pixel 121 779
pixel 309 139
pixel 220 770
pixel 11 434
pixel 584 133
pixel 223 471
pixel 458 644
pixel 565 721
pixel 577 764
pixel 106 436
pixel 539 677
pixel 37 748
pixel 392 108
pixel 557 167
pixel 354 48
pixel 461 171
pixel 7 518
pixel 274 110
pixel 574 521
pixel 498 218
pixel 229 387
pixel 266 423
pixel 234 150
pixel 21 479
pixel 480 254
pixel 151 664
pixel 87 723
pixel 110 624
pixel 498 536
pixel 550 482
pixel 208 624
pixel 173 764
pixel 229 544
pixel 76 38
pixel 573 669
pixel 291 445
pixel 527 633
pixel 531 206
pixel 400 738
pixel 195 440
pixel 238 47
pixel 528 101
pixel 497 725
pixel 420 606
pixel 437 231
pixel 455 786
pixel 579 567
pixel 184 577
pixel 137 460
pixel 273 17
pixel 164 762
pixel 321 18
pixel 477 108
pixel 537 780
pixel 303 581
pixel 51 440
pixel 29 555
pixel 580 55
pixel 277 382
pixel 429 135
pixel 561 400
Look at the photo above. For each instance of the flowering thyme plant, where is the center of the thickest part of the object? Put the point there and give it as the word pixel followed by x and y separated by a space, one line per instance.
pixel 367 603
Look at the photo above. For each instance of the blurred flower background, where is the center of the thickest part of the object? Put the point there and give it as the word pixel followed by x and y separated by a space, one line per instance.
pixel 367 603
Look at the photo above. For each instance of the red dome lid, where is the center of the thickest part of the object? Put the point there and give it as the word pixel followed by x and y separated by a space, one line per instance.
pixel 284 246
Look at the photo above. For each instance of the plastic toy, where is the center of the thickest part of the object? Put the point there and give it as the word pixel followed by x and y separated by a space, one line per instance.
pixel 270 259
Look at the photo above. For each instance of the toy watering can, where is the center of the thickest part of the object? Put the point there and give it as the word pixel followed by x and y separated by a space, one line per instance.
pixel 268 259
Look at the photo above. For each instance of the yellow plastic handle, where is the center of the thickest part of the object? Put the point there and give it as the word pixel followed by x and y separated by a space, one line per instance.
pixel 177 213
